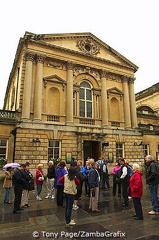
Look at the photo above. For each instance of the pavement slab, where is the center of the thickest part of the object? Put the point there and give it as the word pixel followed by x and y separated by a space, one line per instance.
pixel 44 220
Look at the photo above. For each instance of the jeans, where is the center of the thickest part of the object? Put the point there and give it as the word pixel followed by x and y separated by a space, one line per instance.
pixel 69 204
pixel 154 198
pixel 50 187
pixel 138 207
pixel 38 189
pixel 7 194
pixel 105 180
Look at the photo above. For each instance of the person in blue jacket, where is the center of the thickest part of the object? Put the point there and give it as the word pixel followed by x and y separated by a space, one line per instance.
pixel 93 181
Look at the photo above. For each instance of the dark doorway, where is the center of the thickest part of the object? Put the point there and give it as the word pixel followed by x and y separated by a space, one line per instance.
pixel 91 149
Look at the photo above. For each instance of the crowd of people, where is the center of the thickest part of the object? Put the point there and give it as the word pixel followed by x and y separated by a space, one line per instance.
pixel 69 183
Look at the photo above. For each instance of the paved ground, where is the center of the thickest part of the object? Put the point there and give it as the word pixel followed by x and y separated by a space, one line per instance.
pixel 45 220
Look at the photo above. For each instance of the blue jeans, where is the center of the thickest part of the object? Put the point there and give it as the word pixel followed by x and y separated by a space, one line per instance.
pixel 154 198
pixel 7 194
pixel 38 189
pixel 69 204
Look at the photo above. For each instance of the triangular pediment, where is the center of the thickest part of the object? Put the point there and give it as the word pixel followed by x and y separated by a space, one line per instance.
pixel 54 78
pixel 114 90
pixel 83 43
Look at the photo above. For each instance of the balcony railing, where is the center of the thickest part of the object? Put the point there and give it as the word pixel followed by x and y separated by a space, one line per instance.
pixel 53 118
pixel 87 121
pixel 8 115
pixel 115 124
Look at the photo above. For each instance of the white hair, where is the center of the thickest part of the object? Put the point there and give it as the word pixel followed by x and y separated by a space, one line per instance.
pixel 136 166
pixel 51 162
pixel 149 157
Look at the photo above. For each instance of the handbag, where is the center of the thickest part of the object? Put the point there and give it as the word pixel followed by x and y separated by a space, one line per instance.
pixel 41 179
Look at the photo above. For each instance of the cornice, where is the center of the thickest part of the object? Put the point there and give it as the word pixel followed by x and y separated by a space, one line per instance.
pixel 51 46
pixel 81 36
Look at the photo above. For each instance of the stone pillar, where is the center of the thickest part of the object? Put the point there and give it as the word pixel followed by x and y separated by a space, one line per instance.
pixel 27 86
pixel 69 93
pixel 104 103
pixel 38 88
pixel 132 104
pixel 126 103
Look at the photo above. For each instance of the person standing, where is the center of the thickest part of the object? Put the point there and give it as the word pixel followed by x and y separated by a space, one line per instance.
pixel 93 181
pixel 136 191
pixel 60 172
pixel 50 181
pixel 39 181
pixel 105 175
pixel 70 181
pixel 8 184
pixel 18 183
pixel 116 180
pixel 124 182
pixel 152 179
pixel 29 185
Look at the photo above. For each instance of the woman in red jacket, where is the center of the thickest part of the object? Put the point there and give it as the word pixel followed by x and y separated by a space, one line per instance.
pixel 136 190
pixel 39 181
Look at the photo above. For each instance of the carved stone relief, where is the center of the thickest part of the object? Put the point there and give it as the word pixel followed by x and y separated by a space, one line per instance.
pixel 55 64
pixel 88 46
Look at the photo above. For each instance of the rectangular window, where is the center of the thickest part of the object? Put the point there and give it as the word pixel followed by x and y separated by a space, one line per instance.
pixel 146 149
pixel 53 149
pixel 74 104
pixel 3 148
pixel 119 150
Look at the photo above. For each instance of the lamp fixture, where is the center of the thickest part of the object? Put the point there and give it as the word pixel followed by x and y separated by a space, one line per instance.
pixel 139 144
pixel 36 140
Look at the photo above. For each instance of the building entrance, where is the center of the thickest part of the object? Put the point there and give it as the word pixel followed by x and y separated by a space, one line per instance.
pixel 92 149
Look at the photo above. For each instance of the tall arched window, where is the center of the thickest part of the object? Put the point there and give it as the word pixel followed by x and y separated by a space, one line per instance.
pixel 85 100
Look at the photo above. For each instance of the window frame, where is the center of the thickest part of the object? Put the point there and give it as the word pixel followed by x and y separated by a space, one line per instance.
pixel 4 147
pixel 85 100
pixel 120 149
pixel 54 147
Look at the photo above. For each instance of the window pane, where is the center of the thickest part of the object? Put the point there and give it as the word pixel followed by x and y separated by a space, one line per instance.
pixel 53 149
pixel 3 142
pixel 88 94
pixel 82 109
pixel 81 93
pixel 89 109
pixel 2 150
pixel 85 85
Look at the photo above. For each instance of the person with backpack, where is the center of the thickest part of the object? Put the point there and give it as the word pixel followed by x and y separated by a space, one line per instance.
pixel 69 181
pixel 124 182
pixel 116 172
pixel 152 179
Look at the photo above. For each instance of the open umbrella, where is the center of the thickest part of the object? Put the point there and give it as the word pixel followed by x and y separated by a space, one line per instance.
pixel 12 165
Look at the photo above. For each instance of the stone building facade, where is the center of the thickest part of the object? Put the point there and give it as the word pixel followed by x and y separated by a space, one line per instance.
pixel 73 96
pixel 147 104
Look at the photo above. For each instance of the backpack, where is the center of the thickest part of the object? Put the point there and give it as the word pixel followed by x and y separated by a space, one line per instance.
pixel 118 174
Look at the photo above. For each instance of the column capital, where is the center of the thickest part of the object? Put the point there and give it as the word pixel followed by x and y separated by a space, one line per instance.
pixel 131 80
pixel 103 73
pixel 125 78
pixel 40 58
pixel 70 65
pixel 29 56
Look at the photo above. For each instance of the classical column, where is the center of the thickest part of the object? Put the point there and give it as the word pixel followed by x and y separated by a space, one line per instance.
pixel 27 85
pixel 132 104
pixel 69 93
pixel 38 88
pixel 126 103
pixel 104 103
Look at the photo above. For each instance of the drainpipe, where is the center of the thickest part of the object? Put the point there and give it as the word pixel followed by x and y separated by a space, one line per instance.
pixel 16 96
pixel 13 132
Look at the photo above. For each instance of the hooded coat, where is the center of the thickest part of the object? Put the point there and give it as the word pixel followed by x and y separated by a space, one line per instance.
pixel 135 185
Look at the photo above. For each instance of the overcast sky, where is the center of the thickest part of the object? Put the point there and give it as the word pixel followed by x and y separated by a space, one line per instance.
pixel 128 26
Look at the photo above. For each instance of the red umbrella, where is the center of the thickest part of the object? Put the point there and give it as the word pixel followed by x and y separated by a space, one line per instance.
pixel 12 165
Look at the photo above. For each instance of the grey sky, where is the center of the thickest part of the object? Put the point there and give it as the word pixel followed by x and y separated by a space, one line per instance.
pixel 128 26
